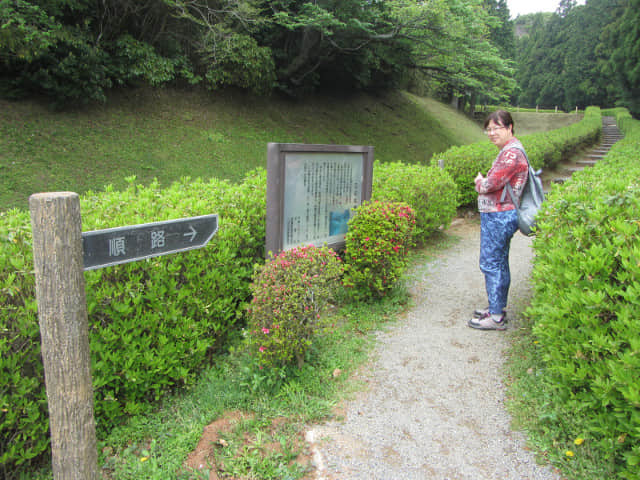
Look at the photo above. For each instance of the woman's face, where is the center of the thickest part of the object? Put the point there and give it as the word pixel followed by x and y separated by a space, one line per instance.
pixel 499 135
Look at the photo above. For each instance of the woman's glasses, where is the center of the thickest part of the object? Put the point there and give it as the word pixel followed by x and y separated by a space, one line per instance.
pixel 489 131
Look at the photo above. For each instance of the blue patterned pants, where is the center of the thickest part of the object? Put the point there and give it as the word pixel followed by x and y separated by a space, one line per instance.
pixel 496 231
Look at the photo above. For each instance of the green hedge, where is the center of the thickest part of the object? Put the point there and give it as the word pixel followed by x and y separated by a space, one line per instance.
pixel 545 150
pixel 24 431
pixel 586 308
pixel 429 191
pixel 153 323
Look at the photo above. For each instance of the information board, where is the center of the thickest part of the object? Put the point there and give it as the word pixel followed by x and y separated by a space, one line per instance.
pixel 312 191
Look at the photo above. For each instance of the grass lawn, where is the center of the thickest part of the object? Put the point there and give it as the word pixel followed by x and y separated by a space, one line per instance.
pixel 531 122
pixel 167 135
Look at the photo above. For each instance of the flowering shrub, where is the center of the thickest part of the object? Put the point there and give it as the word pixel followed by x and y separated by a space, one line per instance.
pixel 379 237
pixel 289 293
pixel 429 190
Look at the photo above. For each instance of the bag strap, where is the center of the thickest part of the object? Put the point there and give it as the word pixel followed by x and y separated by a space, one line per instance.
pixel 508 188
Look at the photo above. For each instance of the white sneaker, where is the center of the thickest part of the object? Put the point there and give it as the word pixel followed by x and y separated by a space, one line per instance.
pixel 489 322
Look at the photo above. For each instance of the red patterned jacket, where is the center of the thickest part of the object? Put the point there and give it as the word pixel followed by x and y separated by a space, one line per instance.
pixel 509 166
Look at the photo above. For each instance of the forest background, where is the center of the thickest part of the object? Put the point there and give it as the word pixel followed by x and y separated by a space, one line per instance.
pixel 467 52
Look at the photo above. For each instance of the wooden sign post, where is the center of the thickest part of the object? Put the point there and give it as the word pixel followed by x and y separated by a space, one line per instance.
pixel 62 313
pixel 61 253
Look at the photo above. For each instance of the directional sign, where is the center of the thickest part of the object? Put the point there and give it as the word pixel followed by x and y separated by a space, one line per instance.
pixel 103 248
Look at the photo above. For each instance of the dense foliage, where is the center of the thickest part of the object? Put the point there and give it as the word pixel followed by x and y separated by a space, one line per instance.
pixel 430 191
pixel 290 292
pixel 377 243
pixel 153 324
pixel 77 49
pixel 463 51
pixel 580 55
pixel 585 312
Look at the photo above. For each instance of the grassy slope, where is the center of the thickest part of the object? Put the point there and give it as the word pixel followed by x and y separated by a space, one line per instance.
pixel 167 134
pixel 531 122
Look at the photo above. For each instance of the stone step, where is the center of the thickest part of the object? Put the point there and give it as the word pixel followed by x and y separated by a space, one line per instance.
pixel 610 135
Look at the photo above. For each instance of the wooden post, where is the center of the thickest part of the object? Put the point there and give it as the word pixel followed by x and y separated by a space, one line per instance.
pixel 62 313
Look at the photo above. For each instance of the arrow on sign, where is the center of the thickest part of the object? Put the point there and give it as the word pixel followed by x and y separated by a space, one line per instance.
pixel 191 234
pixel 113 246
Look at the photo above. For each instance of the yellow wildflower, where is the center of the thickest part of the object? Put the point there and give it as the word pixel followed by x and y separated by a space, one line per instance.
pixel 569 453
pixel 579 441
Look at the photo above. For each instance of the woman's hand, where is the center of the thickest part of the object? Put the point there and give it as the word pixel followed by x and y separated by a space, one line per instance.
pixel 479 178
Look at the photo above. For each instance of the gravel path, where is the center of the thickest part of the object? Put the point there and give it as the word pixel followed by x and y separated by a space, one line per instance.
pixel 434 406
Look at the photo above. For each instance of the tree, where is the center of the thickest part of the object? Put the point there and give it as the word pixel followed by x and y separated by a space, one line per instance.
pixel 330 42
pixel 502 29
pixel 78 49
pixel 540 62
pixel 581 55
pixel 565 7
pixel 622 38
pixel 71 50
pixel 584 81
pixel 451 42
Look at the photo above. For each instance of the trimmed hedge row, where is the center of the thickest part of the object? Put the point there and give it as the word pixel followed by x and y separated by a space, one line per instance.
pixel 429 191
pixel 586 301
pixel 153 323
pixel 545 149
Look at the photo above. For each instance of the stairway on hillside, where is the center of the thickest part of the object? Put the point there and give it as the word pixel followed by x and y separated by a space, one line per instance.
pixel 561 173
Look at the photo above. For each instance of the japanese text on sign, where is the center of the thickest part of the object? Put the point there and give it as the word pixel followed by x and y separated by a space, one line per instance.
pixel 321 190
pixel 118 245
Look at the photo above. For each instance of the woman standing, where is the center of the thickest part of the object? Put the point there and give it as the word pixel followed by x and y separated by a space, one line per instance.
pixel 498 217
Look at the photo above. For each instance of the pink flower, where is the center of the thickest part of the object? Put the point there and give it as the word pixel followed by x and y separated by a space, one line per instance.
pixel 261 349
pixel 265 331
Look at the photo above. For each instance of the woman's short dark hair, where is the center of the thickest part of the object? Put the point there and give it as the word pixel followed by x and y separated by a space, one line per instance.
pixel 500 117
